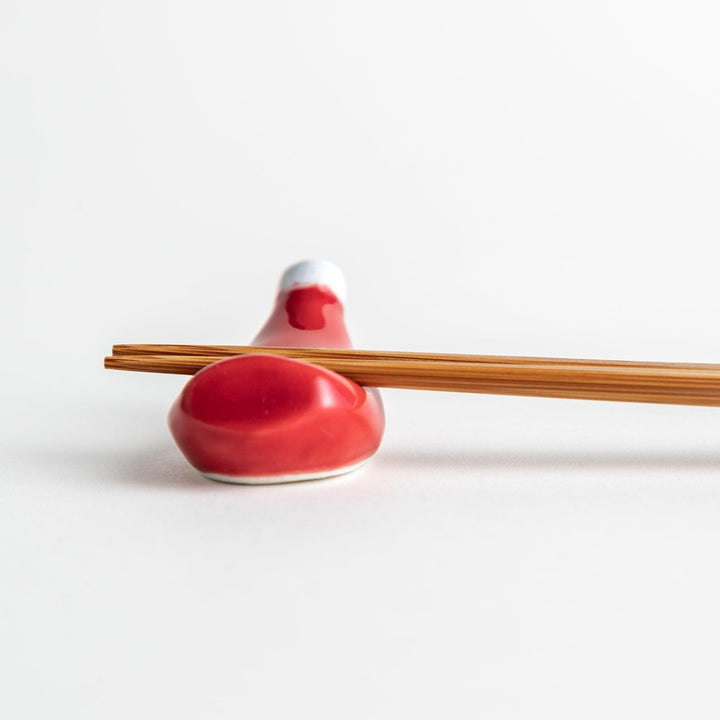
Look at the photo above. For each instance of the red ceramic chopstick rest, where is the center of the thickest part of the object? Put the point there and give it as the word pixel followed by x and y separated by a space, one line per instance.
pixel 257 419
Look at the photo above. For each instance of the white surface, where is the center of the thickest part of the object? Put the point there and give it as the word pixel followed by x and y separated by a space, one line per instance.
pixel 316 272
pixel 506 178
pixel 277 479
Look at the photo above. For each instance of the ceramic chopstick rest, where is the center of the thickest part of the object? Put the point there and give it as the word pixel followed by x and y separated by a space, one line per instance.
pixel 259 419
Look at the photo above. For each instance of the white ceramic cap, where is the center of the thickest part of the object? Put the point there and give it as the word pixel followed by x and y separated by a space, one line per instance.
pixel 315 272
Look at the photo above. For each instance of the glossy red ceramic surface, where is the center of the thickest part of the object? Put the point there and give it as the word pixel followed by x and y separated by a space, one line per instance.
pixel 263 418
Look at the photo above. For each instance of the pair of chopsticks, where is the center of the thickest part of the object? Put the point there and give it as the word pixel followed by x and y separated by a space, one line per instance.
pixel 652 382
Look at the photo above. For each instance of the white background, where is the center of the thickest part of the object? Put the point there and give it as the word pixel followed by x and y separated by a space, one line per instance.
pixel 506 178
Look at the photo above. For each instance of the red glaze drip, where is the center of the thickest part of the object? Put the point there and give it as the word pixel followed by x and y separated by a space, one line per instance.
pixel 309 316
pixel 304 307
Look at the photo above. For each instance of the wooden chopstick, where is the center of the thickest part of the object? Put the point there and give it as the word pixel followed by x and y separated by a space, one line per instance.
pixel 332 354
pixel 671 383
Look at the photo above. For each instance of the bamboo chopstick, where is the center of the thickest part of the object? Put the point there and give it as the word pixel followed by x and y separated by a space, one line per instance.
pixel 671 383
pixel 334 354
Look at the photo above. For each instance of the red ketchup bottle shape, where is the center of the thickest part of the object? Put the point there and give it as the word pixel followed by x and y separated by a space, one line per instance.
pixel 256 419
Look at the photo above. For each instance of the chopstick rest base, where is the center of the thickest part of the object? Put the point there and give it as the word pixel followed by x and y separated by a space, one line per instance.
pixel 264 416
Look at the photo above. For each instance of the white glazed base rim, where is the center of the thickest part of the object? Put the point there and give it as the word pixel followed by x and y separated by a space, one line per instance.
pixel 275 479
